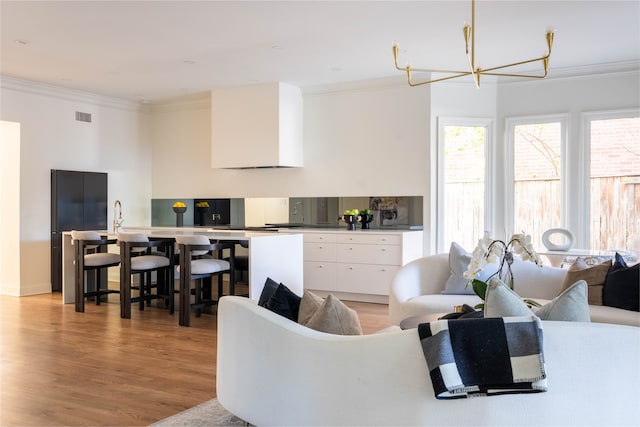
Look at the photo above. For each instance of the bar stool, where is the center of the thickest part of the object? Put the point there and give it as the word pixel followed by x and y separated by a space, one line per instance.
pixel 88 256
pixel 136 257
pixel 240 267
pixel 196 264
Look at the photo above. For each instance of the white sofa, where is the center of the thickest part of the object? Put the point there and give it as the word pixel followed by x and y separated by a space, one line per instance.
pixel 274 372
pixel 417 290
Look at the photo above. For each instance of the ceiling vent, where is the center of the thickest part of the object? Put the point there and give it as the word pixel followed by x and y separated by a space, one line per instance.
pixel 83 117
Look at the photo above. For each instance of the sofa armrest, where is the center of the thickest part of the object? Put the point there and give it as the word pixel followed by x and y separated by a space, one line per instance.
pixel 318 376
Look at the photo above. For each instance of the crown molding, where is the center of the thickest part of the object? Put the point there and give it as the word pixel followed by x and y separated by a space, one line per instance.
pixel 73 95
pixel 581 72
pixel 203 100
pixel 358 85
pixel 594 70
pixel 197 101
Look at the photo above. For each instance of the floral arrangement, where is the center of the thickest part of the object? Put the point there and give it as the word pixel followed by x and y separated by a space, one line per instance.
pixel 497 251
pixel 179 205
pixel 202 204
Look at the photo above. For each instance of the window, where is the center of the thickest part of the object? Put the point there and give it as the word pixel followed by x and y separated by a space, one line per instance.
pixel 462 201
pixel 535 146
pixel 614 180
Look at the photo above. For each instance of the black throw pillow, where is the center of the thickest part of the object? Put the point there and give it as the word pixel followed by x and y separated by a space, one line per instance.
pixel 269 289
pixel 622 286
pixel 282 301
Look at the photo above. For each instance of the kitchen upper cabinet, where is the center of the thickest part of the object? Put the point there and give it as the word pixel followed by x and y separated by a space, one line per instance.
pixel 256 126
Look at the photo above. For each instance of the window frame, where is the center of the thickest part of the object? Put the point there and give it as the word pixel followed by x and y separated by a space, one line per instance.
pixel 489 152
pixel 509 169
pixel 584 183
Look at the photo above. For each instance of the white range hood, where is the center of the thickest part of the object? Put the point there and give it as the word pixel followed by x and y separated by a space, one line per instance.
pixel 257 126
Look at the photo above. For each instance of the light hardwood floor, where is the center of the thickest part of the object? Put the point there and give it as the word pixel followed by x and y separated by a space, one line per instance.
pixel 62 368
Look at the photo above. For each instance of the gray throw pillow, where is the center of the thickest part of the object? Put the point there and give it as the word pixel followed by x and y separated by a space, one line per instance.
pixel 502 301
pixel 334 317
pixel 309 304
pixel 570 305
pixel 458 262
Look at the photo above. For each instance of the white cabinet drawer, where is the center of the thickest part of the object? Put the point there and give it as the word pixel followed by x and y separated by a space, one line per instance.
pixel 365 279
pixel 319 237
pixel 320 276
pixel 369 239
pixel 369 254
pixel 319 251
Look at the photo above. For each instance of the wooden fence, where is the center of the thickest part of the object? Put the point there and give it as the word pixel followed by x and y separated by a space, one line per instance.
pixel 614 213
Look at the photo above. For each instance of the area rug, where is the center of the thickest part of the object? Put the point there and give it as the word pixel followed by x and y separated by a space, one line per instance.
pixel 209 413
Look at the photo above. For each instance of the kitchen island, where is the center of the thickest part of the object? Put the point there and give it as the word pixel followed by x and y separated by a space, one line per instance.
pixel 270 254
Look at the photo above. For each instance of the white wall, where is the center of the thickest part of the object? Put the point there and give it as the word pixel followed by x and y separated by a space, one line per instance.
pixel 368 139
pixel 10 210
pixel 363 141
pixel 115 142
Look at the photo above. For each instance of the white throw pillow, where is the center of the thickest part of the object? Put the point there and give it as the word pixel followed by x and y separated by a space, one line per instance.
pixel 458 262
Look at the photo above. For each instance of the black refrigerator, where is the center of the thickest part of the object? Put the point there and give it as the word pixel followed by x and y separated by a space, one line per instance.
pixel 78 202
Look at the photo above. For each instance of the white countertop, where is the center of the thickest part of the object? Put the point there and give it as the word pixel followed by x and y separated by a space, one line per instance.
pixel 344 230
pixel 209 232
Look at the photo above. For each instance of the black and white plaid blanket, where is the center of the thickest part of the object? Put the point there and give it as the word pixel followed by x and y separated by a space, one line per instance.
pixel 481 357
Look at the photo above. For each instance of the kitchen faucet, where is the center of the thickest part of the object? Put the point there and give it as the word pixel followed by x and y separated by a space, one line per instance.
pixel 117 220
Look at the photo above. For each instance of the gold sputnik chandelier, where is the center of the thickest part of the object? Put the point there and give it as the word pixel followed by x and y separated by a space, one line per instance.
pixel 475 71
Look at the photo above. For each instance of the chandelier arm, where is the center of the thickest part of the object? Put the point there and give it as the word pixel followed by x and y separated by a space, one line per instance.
pixel 461 74
pixel 531 76
pixel 542 58
pixel 431 70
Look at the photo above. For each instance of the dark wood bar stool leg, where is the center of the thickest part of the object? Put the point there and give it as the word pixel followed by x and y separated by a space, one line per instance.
pixel 79 276
pixel 184 317
pixel 125 286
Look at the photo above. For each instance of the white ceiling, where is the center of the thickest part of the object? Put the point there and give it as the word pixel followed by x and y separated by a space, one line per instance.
pixel 154 50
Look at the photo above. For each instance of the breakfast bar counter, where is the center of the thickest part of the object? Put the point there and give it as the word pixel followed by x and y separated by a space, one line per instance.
pixel 275 255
